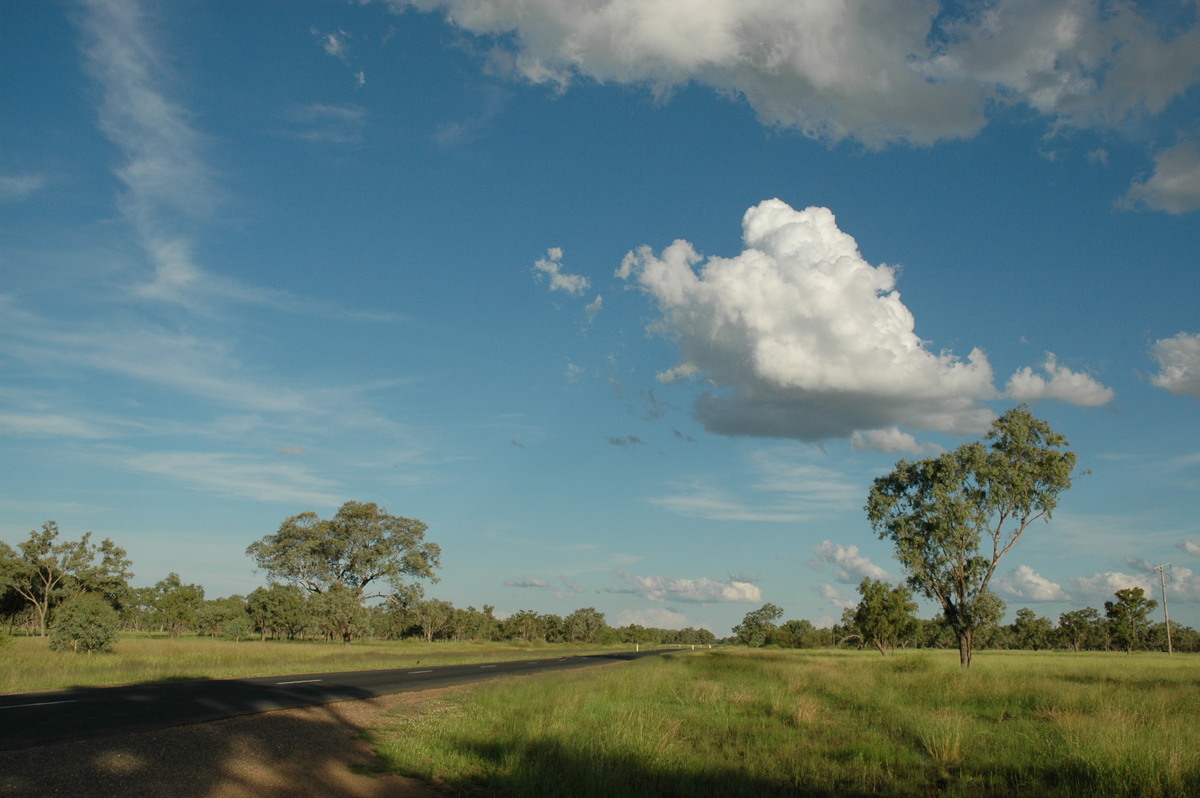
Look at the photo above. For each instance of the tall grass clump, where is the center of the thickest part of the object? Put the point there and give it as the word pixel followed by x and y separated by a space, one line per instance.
pixel 737 722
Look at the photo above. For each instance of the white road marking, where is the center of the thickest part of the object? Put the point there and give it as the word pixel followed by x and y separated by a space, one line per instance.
pixel 41 704
pixel 411 672
pixel 300 681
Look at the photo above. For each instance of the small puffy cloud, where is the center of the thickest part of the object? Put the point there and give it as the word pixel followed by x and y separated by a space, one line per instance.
pixel 551 266
pixel 703 590
pixel 292 451
pixel 1192 547
pixel 834 596
pixel 1175 185
pixel 886 441
pixel 804 339
pixel 333 43
pixel 1025 583
pixel 653 618
pixel 1179 364
pixel 527 582
pixel 15 188
pixel 1059 383
pixel 850 566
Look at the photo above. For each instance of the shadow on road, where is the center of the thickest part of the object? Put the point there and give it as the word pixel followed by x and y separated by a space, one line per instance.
pixel 316 751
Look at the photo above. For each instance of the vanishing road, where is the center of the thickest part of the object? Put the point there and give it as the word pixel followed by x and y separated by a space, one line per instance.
pixel 32 719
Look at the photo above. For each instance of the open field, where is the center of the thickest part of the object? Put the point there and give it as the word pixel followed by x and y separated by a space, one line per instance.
pixel 753 723
pixel 27 663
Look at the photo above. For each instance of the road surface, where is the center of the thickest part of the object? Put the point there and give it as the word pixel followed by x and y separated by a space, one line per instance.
pixel 33 719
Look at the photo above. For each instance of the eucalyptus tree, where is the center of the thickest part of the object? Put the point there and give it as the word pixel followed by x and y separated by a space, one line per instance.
pixel 361 553
pixel 758 625
pixel 884 616
pixel 1080 628
pixel 47 570
pixel 953 517
pixel 1127 617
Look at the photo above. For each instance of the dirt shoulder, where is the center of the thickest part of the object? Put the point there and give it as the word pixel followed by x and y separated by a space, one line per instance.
pixel 300 753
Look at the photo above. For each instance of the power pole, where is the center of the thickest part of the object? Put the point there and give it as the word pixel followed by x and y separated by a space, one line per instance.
pixel 1162 579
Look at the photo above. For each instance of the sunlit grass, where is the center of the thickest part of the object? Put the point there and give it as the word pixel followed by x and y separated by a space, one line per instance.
pixel 27 663
pixel 821 723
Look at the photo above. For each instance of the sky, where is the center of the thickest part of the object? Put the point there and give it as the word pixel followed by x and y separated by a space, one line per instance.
pixel 628 300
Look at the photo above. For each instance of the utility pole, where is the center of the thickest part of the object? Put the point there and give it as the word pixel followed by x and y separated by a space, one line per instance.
pixel 1162 579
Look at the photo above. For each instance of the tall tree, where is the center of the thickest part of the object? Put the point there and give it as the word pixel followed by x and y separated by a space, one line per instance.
pixel 758 625
pixel 1078 627
pixel 176 605
pixel 362 549
pixel 584 625
pixel 884 616
pixel 1127 617
pixel 1031 631
pixel 939 511
pixel 48 570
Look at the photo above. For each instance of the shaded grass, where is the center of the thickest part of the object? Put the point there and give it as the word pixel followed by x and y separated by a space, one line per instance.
pixel 28 664
pixel 734 723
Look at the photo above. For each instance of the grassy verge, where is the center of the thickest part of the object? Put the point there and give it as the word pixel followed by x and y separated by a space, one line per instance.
pixel 740 723
pixel 27 663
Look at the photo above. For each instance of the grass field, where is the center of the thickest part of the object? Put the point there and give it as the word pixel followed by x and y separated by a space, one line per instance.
pixel 754 723
pixel 27 663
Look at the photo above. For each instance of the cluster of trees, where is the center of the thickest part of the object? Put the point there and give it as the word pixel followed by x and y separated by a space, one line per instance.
pixel 885 619
pixel 323 575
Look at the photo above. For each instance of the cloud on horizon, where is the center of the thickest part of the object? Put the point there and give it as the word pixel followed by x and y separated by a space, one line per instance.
pixel 702 590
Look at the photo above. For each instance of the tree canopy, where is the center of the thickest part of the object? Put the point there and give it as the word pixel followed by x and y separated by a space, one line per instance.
pixel 354 554
pixel 941 512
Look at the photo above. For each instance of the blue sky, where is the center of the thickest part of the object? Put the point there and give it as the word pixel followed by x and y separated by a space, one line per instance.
pixel 628 301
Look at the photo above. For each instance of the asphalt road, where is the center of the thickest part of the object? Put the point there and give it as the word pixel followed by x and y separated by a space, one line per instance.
pixel 32 719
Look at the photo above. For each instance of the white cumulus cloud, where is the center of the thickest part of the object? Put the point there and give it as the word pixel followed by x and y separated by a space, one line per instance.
pixel 834 596
pixel 887 441
pixel 1175 185
pixel 850 566
pixel 802 338
pixel 551 266
pixel 1059 383
pixel 653 618
pixel 907 70
pixel 1025 583
pixel 1179 364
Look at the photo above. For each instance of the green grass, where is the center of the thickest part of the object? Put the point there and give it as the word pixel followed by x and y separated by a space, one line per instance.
pixel 27 663
pixel 743 723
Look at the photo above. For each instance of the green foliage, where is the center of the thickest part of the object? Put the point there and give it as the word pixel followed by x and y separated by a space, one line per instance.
pixel 277 611
pixel 758 625
pixel 1127 617
pixel 47 570
pixel 938 512
pixel 84 623
pixel 176 606
pixel 586 625
pixel 359 550
pixel 884 616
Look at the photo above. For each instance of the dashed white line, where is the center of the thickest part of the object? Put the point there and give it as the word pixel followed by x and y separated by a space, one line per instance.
pixel 412 672
pixel 40 704
pixel 300 681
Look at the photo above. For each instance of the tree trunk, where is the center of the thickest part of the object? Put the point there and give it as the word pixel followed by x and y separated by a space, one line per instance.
pixel 966 646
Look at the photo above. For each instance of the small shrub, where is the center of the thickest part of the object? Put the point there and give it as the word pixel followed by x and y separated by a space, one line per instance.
pixel 83 624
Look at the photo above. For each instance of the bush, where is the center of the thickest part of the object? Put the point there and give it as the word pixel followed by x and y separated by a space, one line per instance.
pixel 84 623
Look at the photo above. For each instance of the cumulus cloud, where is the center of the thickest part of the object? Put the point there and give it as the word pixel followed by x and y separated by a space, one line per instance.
pixel 653 618
pixel 527 582
pixel 703 590
pixel 1175 185
pixel 1059 383
pixel 1100 587
pixel 834 596
pixel 887 441
pixel 1192 547
pixel 1025 583
pixel 879 73
pixel 551 266
pixel 802 338
pixel 1179 364
pixel 850 566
